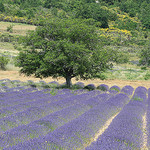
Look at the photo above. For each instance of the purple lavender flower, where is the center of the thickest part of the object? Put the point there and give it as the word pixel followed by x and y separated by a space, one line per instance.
pixel 79 85
pixel 140 94
pixel 148 120
pixel 79 131
pixel 103 87
pixel 42 126
pixel 90 87
pixel 115 88
pixel 125 131
pixel 127 89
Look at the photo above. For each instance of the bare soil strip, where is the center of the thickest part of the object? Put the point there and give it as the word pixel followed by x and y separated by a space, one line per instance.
pixel 144 147
pixel 101 131
pixel 14 75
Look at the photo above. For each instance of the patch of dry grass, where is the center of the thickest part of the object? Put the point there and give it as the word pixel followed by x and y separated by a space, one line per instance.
pixel 18 28
pixel 14 75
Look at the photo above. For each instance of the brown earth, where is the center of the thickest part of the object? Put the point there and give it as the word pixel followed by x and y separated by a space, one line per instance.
pixel 14 75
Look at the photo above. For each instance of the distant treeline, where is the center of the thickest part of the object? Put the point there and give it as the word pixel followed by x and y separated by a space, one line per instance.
pixel 100 10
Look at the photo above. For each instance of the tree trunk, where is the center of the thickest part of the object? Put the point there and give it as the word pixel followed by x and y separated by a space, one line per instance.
pixel 68 81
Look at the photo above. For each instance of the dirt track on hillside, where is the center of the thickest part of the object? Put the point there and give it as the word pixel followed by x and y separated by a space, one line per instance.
pixel 14 75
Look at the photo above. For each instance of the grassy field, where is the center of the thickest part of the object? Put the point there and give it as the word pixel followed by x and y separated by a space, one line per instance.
pixel 18 28
pixel 128 71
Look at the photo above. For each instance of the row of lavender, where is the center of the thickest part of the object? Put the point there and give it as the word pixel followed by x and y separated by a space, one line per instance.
pixel 126 130
pixel 74 119
pixel 7 85
pixel 148 121
pixel 43 119
pixel 38 105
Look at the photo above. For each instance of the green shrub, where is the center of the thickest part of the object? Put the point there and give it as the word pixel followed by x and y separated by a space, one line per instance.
pixel 3 62
pixel 147 76
pixel 122 58
pixel 143 68
pixel 10 28
pixel 2 7
pixel 145 57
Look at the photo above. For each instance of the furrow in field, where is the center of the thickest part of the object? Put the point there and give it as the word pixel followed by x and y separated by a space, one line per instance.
pixel 126 130
pixel 148 121
pixel 101 130
pixel 15 98
pixel 144 146
pixel 50 122
pixel 37 101
pixel 32 113
pixel 78 132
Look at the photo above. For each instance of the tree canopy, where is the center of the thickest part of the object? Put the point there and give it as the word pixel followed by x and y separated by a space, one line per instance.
pixel 63 48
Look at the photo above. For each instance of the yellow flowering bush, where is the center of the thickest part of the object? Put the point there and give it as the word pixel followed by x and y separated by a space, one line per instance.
pixel 116 30
pixel 124 21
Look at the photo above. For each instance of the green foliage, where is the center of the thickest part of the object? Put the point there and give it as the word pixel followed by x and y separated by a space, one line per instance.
pixel 52 3
pixel 90 87
pixel 136 98
pixel 145 56
pixel 63 48
pixel 53 91
pixel 2 7
pixel 102 88
pixel 147 76
pixel 93 10
pixel 31 9
pixel 122 58
pixel 29 61
pixel 145 14
pixel 115 89
pixel 28 3
pixel 3 62
pixel 126 24
pixel 10 28
pixel 130 7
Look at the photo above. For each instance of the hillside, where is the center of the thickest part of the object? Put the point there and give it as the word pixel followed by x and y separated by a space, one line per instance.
pixel 122 26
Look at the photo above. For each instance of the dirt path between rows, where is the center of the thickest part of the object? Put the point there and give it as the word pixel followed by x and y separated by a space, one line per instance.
pixel 14 75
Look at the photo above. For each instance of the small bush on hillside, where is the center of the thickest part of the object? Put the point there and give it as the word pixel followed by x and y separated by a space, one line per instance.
pixel 3 62
pixel 10 28
pixel 145 57
pixel 122 58
pixel 147 76
pixel 143 68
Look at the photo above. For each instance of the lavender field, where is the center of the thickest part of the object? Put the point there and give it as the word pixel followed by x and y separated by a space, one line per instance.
pixel 44 117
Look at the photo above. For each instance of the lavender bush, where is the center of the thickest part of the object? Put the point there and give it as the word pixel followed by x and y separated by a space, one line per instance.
pixel 148 120
pixel 66 119
pixel 127 89
pixel 103 87
pixel 125 131
pixel 78 132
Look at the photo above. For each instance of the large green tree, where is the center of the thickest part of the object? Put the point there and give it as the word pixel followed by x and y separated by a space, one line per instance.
pixel 63 48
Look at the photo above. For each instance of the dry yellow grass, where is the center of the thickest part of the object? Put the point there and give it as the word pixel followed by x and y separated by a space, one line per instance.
pixel 19 29
pixel 14 75
pixel 144 133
